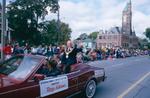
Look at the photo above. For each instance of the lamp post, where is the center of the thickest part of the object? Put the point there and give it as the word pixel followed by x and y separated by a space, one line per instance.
pixel 3 28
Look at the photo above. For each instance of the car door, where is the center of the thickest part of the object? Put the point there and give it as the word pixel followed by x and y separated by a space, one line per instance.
pixel 23 90
pixel 73 83
pixel 72 79
pixel 32 89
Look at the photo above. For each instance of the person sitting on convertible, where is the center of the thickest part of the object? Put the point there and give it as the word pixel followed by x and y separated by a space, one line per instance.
pixel 53 69
pixel 50 69
pixel 69 56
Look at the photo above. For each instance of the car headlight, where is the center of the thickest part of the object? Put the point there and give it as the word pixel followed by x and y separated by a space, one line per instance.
pixel 99 73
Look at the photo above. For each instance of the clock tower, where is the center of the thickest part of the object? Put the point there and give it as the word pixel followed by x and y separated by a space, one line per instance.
pixel 127 19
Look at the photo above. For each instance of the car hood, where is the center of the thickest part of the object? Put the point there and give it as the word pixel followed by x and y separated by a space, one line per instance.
pixel 6 81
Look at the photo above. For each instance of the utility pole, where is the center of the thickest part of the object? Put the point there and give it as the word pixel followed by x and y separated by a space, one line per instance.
pixel 58 25
pixel 3 28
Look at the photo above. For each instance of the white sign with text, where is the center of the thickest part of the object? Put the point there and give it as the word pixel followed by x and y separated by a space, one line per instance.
pixel 53 85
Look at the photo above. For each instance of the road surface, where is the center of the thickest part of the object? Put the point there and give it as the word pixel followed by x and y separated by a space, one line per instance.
pixel 126 78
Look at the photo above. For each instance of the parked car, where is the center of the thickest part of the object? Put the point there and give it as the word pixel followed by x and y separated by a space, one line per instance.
pixel 19 79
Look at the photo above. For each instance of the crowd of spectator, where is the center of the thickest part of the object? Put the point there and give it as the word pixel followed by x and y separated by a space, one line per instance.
pixel 56 51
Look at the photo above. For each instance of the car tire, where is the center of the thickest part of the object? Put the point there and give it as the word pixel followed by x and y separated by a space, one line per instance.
pixel 90 89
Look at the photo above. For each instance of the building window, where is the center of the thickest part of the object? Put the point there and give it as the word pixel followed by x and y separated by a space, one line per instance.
pixel 100 45
pixel 130 40
pixel 109 37
pixel 104 37
pixel 115 37
pixel 100 37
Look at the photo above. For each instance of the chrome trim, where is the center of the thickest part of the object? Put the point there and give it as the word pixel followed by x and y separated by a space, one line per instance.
pixel 70 96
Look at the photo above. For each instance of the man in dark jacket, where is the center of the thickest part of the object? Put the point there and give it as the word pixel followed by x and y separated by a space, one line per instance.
pixel 69 56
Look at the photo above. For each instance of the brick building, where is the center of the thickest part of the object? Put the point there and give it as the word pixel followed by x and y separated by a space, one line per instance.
pixel 123 36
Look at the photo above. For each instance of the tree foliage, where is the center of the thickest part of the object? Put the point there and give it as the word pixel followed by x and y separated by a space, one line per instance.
pixel 143 42
pixel 147 33
pixel 51 34
pixel 93 35
pixel 24 15
pixel 83 36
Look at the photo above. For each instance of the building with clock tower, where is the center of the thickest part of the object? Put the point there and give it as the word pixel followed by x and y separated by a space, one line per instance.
pixel 127 19
pixel 124 36
pixel 127 26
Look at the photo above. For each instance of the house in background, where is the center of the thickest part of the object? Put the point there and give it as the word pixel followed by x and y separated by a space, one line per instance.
pixel 85 41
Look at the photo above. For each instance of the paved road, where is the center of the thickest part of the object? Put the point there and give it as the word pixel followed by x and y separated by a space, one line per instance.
pixel 127 78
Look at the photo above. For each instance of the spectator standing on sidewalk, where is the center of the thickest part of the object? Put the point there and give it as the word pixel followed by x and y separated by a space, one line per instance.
pixel 49 53
pixel 99 54
pixel 34 50
pixel 40 50
pixel 27 48
pixel 16 49
pixel 8 51
pixel 79 56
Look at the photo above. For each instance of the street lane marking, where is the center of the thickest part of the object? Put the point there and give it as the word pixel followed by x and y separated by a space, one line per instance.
pixel 134 85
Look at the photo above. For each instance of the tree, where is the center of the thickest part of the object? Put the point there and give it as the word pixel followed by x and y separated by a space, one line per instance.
pixel 83 36
pixel 143 43
pixel 93 35
pixel 147 33
pixel 51 34
pixel 24 15
pixel 65 33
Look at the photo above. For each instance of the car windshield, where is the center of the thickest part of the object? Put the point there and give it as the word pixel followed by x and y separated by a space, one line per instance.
pixel 19 67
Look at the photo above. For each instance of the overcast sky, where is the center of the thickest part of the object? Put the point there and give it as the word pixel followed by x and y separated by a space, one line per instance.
pixel 85 16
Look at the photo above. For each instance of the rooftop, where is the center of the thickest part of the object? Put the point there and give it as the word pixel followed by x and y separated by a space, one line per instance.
pixel 113 30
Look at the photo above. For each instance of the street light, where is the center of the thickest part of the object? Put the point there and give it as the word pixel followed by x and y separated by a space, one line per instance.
pixel 3 28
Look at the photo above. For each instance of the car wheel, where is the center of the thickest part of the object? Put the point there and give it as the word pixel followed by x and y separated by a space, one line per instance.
pixel 90 89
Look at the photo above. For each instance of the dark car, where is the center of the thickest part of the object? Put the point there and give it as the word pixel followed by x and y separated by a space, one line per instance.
pixel 19 79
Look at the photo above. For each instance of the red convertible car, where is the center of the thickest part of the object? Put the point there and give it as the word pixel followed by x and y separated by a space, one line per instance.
pixel 19 79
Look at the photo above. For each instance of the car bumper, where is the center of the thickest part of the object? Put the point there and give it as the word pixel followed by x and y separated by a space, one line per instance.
pixel 101 79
